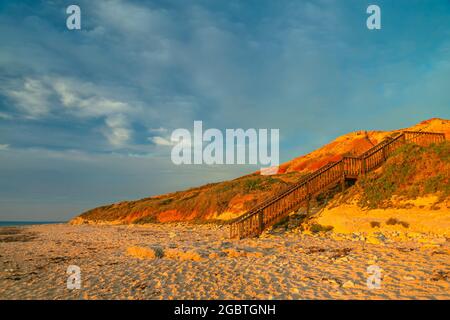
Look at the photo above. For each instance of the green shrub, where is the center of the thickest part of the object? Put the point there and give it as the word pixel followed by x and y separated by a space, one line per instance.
pixel 374 224
pixel 404 224
pixel 316 228
pixel 393 221
pixel 159 252
pixel 434 184
pixel 166 201
pixel 442 150
pixel 252 185
pixel 147 219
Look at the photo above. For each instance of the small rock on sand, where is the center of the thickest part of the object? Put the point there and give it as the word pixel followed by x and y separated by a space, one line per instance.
pixel 348 284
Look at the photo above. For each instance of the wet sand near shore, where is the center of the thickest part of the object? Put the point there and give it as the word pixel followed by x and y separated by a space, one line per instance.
pixel 182 261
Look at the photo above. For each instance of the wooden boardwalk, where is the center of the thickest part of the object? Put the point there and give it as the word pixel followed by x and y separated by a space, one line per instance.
pixel 253 222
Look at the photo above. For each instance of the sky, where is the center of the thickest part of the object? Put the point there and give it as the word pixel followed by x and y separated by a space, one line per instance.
pixel 86 115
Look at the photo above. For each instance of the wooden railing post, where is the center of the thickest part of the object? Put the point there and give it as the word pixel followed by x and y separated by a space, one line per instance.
pixel 260 221
pixel 308 198
pixel 363 166
pixel 241 229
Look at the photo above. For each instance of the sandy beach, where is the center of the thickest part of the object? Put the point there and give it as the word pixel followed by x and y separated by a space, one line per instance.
pixel 200 262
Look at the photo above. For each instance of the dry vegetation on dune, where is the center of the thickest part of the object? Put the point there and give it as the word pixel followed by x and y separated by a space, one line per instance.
pixel 212 202
pixel 414 171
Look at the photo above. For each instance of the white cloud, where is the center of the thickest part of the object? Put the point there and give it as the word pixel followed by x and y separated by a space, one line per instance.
pixel 86 99
pixel 158 130
pixel 39 97
pixel 117 131
pixel 5 116
pixel 4 147
pixel 32 96
pixel 160 141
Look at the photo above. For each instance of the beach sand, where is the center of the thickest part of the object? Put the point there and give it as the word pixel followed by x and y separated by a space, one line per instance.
pixel 182 261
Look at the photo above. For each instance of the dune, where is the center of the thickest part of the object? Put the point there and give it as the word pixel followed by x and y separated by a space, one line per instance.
pixel 226 200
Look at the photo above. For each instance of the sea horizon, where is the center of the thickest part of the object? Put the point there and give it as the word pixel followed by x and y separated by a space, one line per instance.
pixel 26 223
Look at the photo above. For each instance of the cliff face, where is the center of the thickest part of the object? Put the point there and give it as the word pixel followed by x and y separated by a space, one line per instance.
pixel 229 199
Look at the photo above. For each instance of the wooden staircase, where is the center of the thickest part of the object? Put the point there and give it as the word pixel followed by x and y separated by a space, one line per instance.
pixel 253 222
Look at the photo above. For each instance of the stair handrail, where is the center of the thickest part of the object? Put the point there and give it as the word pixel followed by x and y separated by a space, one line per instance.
pixel 309 177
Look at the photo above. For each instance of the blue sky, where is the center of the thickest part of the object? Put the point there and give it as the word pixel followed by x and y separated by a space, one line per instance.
pixel 84 114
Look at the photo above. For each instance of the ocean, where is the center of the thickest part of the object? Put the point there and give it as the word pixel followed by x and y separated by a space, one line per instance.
pixel 25 223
